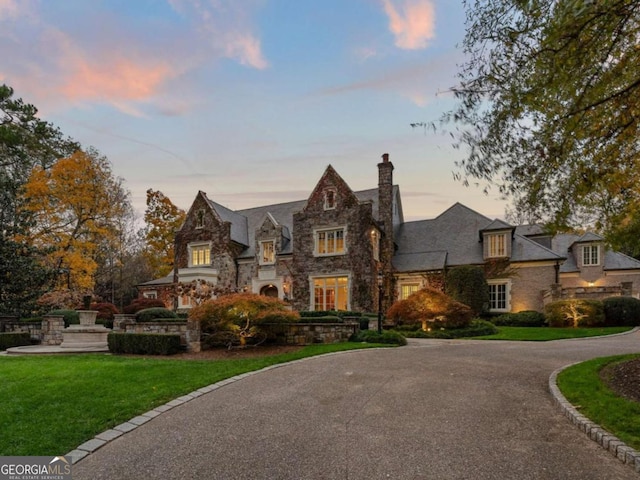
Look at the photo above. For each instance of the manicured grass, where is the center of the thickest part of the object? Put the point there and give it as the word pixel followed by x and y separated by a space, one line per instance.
pixel 52 404
pixel 544 334
pixel 581 385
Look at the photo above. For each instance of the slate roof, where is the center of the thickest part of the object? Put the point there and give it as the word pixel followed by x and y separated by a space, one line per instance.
pixel 563 243
pixel 168 280
pixel 453 239
pixel 245 222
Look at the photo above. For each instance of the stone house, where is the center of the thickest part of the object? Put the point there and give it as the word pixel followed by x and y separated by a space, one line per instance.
pixel 339 250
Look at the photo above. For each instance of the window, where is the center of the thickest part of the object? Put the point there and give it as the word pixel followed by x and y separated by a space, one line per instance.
pixel 185 301
pixel 497 245
pixel 151 294
pixel 375 244
pixel 407 289
pixel 499 297
pixel 330 242
pixel 330 293
pixel 200 255
pixel 200 219
pixel 590 255
pixel 267 252
pixel 329 199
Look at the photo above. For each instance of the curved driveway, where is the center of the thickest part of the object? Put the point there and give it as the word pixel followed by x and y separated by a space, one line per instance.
pixel 436 409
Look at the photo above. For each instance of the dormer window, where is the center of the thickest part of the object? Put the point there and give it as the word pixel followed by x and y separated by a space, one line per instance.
pixel 590 255
pixel 330 199
pixel 496 245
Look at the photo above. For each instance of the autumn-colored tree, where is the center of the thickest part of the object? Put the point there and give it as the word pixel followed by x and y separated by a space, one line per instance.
pixel 75 204
pixel 163 219
pixel 429 306
pixel 237 318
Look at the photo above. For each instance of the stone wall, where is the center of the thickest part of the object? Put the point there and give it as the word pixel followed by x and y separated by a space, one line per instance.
pixel 52 328
pixel 188 330
pixel 12 325
pixel 557 292
pixel 312 333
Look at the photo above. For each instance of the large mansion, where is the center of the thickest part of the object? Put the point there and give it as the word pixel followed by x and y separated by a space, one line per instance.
pixel 339 249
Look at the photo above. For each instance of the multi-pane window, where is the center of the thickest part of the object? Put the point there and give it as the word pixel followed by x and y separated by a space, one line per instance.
pixel 267 252
pixel 200 255
pixel 330 242
pixel 330 293
pixel 498 296
pixel 407 289
pixel 497 245
pixel 590 255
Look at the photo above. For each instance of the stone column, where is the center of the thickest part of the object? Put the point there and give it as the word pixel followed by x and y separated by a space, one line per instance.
pixel 52 328
pixel 193 336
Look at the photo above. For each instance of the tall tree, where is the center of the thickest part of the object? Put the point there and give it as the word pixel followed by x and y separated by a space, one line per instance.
pixel 548 108
pixel 25 141
pixel 163 219
pixel 77 203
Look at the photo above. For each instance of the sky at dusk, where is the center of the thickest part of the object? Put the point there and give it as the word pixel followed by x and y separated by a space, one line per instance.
pixel 248 100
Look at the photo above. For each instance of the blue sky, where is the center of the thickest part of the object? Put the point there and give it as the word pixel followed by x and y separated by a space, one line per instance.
pixel 247 100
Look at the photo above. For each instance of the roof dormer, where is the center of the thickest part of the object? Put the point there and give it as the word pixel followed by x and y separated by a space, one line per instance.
pixel 497 239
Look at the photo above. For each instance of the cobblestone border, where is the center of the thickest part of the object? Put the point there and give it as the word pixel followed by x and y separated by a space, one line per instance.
pixel 595 432
pixel 100 440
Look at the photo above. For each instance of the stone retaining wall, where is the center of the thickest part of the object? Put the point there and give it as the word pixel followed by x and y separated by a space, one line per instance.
pixel 188 330
pixel 310 333
pixel 14 326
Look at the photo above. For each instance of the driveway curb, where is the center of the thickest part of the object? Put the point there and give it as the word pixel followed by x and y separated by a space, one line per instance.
pixel 606 440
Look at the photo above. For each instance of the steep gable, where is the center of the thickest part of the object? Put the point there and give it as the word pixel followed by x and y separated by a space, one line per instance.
pixel 330 193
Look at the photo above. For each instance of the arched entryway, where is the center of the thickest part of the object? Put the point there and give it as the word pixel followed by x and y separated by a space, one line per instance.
pixel 269 291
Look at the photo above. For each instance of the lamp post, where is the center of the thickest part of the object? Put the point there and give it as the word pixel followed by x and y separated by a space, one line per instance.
pixel 380 282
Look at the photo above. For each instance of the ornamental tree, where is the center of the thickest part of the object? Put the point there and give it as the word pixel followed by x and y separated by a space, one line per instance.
pixel 430 307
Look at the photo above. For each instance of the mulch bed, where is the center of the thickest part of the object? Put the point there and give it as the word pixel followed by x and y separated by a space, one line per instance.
pixel 623 378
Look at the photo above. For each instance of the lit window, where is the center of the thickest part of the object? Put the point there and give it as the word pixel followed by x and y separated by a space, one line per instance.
pixel 267 252
pixel 200 255
pixel 499 297
pixel 590 255
pixel 407 289
pixel 329 199
pixel 375 244
pixel 330 242
pixel 497 245
pixel 330 293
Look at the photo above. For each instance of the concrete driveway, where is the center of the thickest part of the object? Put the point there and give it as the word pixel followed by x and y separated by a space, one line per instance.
pixel 436 409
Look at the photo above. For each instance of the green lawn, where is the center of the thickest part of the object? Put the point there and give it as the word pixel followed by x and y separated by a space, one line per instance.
pixel 544 334
pixel 52 404
pixel 581 385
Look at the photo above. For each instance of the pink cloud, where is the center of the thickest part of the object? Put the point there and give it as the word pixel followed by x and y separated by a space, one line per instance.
pixel 412 24
pixel 9 9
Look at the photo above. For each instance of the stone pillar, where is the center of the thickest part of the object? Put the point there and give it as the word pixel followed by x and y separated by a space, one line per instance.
pixel 120 320
pixel 556 292
pixel 52 328
pixel 627 289
pixel 193 336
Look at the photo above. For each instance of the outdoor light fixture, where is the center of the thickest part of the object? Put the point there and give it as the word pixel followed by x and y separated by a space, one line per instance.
pixel 380 282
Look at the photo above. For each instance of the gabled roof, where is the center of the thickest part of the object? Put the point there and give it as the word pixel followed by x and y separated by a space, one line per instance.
pixel 456 232
pixel 589 237
pixel 238 222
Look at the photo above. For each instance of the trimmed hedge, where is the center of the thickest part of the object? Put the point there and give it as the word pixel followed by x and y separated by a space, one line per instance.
pixel 156 314
pixel 71 317
pixel 575 313
pixel 323 319
pixel 476 328
pixel 144 343
pixel 142 303
pixel 372 336
pixel 526 318
pixel 621 311
pixel 14 339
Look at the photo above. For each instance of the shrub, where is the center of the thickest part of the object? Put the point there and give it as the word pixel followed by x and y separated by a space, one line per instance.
pixel 575 313
pixel 238 319
pixel 323 319
pixel 144 343
pixel 106 313
pixel 71 317
pixel 622 311
pixel 331 313
pixel 142 303
pixel 476 328
pixel 14 339
pixel 155 314
pixel 468 285
pixel 372 336
pixel 430 306
pixel 526 318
